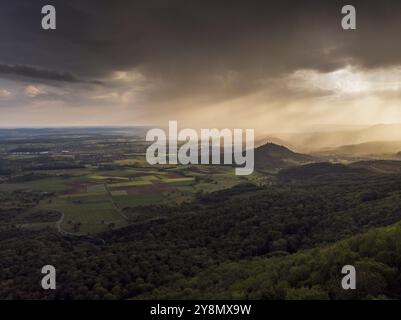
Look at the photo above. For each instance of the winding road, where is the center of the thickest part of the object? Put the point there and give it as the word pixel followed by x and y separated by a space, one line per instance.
pixel 66 233
pixel 58 225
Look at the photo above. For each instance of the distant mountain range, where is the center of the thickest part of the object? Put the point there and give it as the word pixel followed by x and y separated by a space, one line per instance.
pixel 323 140
pixel 366 148
pixel 274 157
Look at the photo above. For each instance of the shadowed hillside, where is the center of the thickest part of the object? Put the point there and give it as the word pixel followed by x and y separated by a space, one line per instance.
pixel 324 172
pixel 380 166
pixel 272 156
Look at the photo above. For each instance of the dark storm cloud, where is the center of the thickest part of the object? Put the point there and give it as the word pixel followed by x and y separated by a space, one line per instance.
pixel 26 71
pixel 217 48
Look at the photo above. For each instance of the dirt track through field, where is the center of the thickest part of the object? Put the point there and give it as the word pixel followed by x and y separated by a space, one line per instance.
pixel 115 204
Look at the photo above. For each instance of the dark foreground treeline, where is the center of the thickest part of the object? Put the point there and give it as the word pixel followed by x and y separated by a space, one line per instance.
pixel 276 242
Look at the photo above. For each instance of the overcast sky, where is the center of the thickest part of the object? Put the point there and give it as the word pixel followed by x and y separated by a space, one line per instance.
pixel 268 65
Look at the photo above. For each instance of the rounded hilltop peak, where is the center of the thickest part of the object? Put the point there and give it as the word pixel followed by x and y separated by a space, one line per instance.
pixel 274 156
pixel 271 146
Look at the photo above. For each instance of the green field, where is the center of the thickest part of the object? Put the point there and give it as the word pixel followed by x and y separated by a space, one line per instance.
pixel 81 194
pixel 42 185
pixel 104 177
pixel 96 188
pixel 178 180
pixel 93 212
pixel 138 200
pixel 130 183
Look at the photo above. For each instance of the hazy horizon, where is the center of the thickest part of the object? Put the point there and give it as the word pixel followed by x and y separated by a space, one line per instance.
pixel 366 139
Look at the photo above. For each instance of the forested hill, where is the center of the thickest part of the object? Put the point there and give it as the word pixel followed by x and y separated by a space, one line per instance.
pixel 272 156
pixel 325 172
pixel 310 274
pixel 337 173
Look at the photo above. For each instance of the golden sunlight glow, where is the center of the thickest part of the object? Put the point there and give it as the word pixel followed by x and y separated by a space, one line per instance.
pixel 349 80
